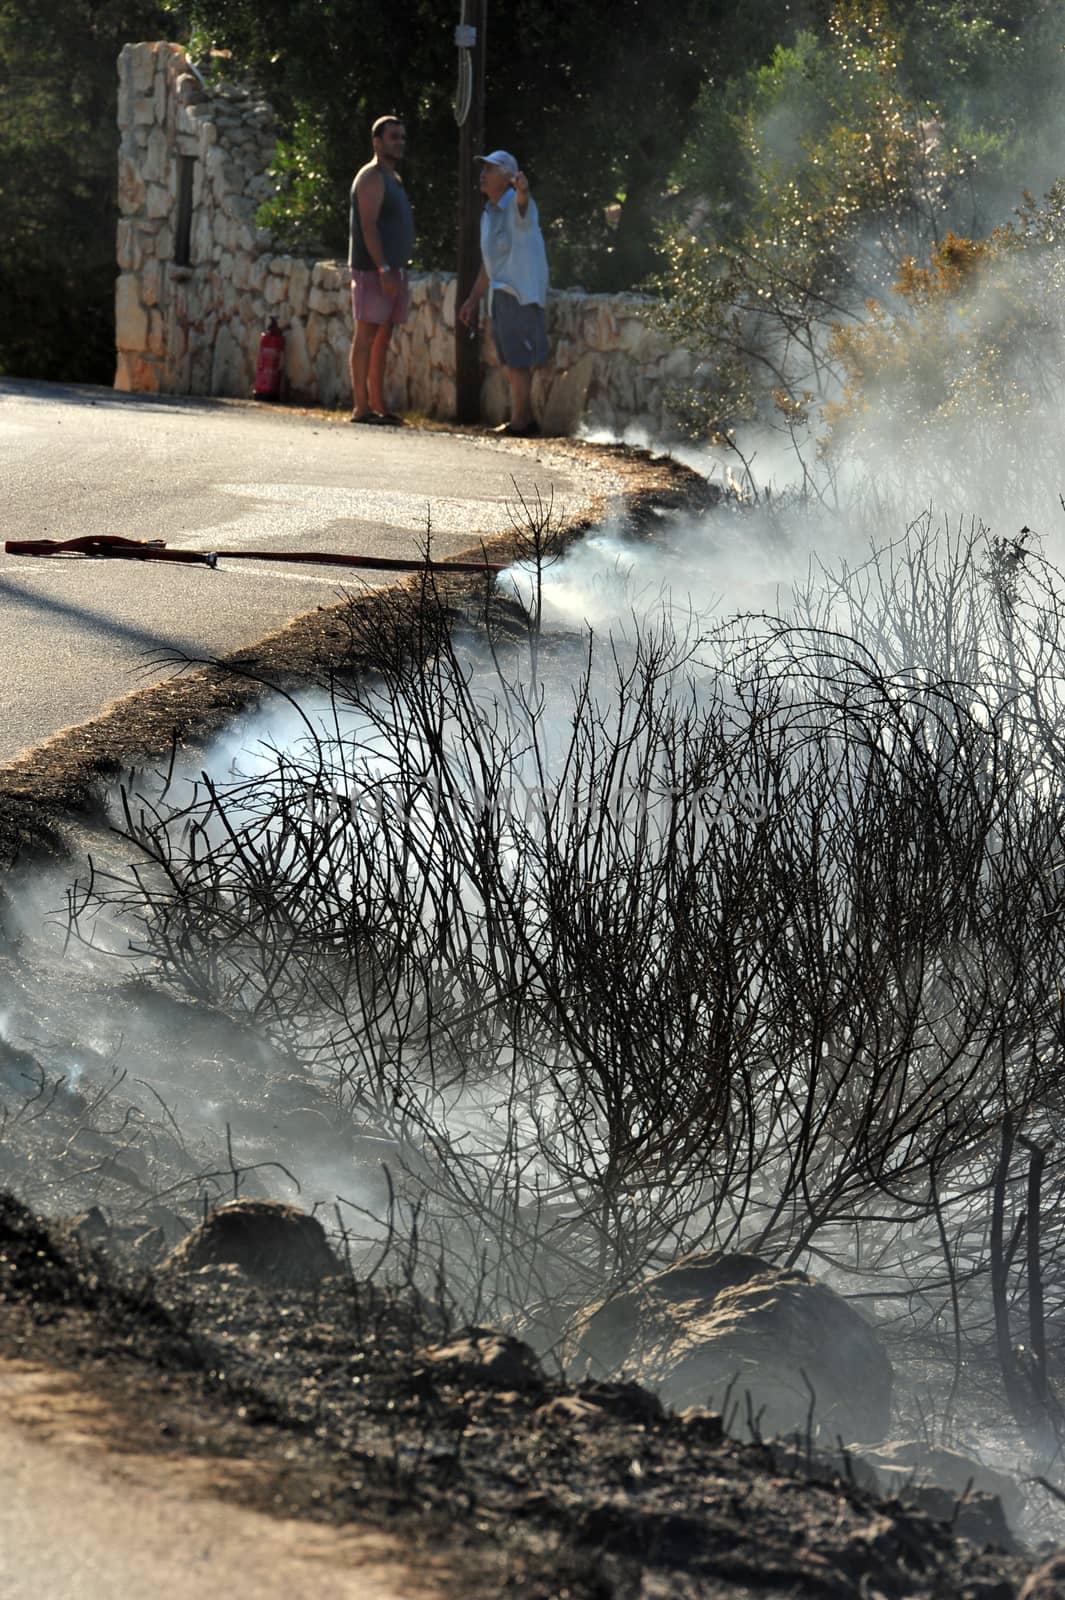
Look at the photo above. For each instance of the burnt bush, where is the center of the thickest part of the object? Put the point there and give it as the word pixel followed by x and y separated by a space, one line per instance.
pixel 735 937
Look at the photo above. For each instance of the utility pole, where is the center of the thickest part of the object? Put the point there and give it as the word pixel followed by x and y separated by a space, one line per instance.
pixel 469 114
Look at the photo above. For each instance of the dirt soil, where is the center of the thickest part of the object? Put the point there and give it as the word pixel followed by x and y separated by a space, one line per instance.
pixel 495 1478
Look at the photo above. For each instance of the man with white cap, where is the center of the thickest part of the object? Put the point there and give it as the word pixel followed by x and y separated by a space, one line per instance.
pixel 514 271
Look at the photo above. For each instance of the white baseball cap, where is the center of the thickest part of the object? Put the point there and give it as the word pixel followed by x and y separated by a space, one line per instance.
pixel 502 159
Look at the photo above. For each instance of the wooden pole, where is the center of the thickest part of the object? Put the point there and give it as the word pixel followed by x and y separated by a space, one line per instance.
pixel 471 144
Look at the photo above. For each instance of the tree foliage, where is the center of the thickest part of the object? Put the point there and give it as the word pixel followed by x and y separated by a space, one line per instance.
pixel 594 100
pixel 856 147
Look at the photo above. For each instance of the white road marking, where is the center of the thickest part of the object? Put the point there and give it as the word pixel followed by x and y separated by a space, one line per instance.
pixel 298 509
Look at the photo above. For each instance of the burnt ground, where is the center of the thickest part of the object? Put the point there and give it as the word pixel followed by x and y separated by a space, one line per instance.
pixel 520 1483
pixel 523 1484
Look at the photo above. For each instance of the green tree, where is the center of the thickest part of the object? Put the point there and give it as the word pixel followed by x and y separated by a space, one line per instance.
pixel 809 179
pixel 835 179
pixel 595 100
pixel 58 163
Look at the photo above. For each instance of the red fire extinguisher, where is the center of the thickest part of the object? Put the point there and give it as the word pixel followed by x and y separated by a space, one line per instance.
pixel 270 364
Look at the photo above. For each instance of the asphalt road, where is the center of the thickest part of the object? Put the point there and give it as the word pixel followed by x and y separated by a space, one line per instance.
pixel 203 474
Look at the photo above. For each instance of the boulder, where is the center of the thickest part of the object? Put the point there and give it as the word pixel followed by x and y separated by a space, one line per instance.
pixel 713 1322
pixel 906 1462
pixel 267 1239
pixel 483 1358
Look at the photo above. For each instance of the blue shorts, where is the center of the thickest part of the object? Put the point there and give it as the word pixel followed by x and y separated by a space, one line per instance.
pixel 520 332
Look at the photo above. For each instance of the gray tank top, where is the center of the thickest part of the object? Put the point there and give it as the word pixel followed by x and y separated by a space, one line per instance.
pixel 395 224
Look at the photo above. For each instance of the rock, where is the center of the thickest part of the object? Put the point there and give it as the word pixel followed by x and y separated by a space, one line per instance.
pixel 711 1321
pixel 571 1411
pixel 484 1357
pixel 630 1402
pixel 978 1517
pixel 912 1461
pixel 265 1238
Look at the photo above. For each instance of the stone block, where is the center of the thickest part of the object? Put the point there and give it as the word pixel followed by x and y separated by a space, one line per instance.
pixel 330 276
pixel 159 201
pixel 187 143
pixel 328 375
pixel 315 334
pixel 187 90
pixel 495 397
pixel 201 239
pixel 298 285
pixel 144 111
pixel 155 167
pixel 131 319
pixel 214 163
pixel 338 337
pixel 568 396
pixel 599 328
pixel 442 347
pixel 299 368
pixel 444 399
pixel 124 371
pixel 639 341
pixel 156 334
pixel 275 291
pixel 161 96
pixel 131 189
pixel 142 59
pixel 239 207
pixel 151 280
pixel 231 367
pixel 125 241
pixel 224 232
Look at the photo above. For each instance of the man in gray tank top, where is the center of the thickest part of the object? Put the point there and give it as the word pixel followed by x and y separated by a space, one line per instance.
pixel 382 243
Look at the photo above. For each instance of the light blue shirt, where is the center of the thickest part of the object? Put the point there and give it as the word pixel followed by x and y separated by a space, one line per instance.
pixel 512 247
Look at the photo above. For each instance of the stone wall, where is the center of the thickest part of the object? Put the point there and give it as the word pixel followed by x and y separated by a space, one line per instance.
pixel 199 281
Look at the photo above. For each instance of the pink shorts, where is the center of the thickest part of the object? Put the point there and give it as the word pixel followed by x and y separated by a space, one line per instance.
pixel 370 303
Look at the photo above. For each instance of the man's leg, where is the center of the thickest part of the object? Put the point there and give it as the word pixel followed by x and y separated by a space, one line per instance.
pixel 376 372
pixel 520 380
pixel 362 346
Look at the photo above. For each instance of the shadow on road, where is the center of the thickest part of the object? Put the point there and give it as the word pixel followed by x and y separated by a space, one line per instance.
pixel 100 623
pixel 89 394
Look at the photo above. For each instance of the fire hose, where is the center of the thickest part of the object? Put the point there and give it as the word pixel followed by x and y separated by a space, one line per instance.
pixel 113 545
